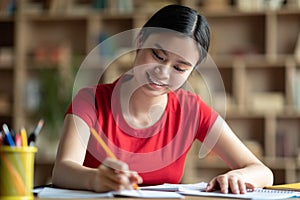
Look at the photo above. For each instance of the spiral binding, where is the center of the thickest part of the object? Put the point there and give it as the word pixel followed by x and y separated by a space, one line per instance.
pixel 273 191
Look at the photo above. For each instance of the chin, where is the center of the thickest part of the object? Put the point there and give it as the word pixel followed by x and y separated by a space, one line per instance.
pixel 154 93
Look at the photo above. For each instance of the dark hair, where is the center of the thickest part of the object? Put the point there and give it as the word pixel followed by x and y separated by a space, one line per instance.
pixel 181 19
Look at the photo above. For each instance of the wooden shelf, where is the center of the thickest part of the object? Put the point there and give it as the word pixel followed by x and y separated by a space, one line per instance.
pixel 252 50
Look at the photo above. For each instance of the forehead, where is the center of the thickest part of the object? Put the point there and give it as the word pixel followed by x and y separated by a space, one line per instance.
pixel 185 47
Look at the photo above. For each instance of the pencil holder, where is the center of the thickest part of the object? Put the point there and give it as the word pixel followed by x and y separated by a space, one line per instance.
pixel 17 169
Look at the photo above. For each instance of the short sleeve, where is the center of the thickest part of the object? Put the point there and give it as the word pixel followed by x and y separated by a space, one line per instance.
pixel 207 118
pixel 84 105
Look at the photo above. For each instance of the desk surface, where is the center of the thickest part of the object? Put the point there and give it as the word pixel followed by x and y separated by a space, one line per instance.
pixel 186 198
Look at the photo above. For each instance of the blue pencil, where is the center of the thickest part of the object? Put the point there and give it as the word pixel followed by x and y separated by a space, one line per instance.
pixel 8 138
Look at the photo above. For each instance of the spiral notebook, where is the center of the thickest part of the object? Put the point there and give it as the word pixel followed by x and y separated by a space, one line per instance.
pixel 198 189
pixel 259 193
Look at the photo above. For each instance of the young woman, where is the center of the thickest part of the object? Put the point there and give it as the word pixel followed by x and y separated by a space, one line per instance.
pixel 149 121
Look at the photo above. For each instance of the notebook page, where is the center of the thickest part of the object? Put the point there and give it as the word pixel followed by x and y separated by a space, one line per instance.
pixel 259 193
pixel 49 192
pixel 176 187
pixel 148 194
pixel 58 193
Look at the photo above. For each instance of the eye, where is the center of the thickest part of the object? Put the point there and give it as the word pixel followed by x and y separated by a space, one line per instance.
pixel 157 56
pixel 179 69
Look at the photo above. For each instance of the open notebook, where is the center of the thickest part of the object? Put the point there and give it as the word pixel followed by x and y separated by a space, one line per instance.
pixel 168 191
pixel 258 194
pixel 49 192
pixel 198 189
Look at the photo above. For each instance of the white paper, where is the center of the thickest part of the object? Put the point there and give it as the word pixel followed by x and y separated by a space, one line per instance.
pixel 148 194
pixel 164 191
pixel 260 194
pixel 49 192
pixel 176 187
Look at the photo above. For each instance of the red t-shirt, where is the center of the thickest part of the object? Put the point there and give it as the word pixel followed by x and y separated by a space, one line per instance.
pixel 158 152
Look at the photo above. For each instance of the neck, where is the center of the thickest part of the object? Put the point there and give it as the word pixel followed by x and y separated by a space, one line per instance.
pixel 141 103
pixel 139 109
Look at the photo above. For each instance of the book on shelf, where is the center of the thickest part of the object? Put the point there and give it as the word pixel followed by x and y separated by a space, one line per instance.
pixel 267 102
pixel 216 5
pixel 286 146
pixel 5 105
pixel 153 5
pixel 120 6
pixel 31 7
pixel 75 7
pixel 7 7
pixel 58 6
pixel 256 5
pixel 52 55
pixel 245 5
pixel 296 90
pixel 6 57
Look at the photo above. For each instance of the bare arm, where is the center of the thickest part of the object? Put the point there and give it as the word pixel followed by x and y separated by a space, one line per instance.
pixel 69 171
pixel 247 171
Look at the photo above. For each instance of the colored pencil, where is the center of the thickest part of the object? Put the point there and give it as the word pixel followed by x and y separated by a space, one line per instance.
pixel 106 149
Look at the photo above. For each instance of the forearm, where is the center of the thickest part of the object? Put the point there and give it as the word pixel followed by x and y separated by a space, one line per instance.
pixel 257 174
pixel 68 174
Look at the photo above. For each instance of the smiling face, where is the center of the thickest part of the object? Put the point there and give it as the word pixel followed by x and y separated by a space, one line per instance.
pixel 164 62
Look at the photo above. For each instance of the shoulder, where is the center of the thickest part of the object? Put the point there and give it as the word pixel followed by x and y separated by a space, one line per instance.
pixel 190 101
pixel 185 96
pixel 95 90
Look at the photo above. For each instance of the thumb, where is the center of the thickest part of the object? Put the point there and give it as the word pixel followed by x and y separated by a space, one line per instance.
pixel 249 186
pixel 211 185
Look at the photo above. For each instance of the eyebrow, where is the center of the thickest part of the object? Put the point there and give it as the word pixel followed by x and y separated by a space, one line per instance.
pixel 166 54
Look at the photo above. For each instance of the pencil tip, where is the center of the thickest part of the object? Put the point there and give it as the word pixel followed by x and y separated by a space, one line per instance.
pixel 41 121
pixel 5 128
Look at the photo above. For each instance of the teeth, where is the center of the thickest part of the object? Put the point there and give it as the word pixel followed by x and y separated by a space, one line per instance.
pixel 153 81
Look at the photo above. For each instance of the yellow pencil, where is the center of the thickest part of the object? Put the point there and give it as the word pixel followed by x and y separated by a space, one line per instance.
pixel 24 137
pixel 107 150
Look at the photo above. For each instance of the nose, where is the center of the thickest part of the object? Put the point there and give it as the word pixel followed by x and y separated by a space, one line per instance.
pixel 162 71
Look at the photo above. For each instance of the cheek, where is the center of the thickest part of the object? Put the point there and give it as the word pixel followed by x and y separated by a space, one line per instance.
pixel 138 72
pixel 178 80
pixel 143 57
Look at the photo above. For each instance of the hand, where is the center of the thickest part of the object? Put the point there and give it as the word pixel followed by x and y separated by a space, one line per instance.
pixel 231 181
pixel 114 175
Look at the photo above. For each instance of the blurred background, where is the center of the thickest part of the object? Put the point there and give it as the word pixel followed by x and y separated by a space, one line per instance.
pixel 255 45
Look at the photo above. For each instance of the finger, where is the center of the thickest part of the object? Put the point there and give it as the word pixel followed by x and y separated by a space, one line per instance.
pixel 211 185
pixel 112 185
pixel 249 187
pixel 115 181
pixel 223 183
pixel 110 174
pixel 242 186
pixel 135 177
pixel 115 164
pixel 103 183
pixel 233 185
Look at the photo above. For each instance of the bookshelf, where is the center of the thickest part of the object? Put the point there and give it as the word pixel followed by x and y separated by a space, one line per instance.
pixel 7 70
pixel 253 47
